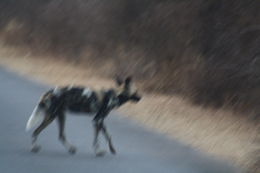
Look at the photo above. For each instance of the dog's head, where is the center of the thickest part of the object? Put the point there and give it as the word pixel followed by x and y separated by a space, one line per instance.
pixel 127 90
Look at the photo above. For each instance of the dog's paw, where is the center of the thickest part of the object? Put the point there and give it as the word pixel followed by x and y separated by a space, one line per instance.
pixel 100 153
pixel 36 149
pixel 72 150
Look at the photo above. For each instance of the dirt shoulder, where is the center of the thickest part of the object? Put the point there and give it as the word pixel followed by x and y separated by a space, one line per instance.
pixel 220 133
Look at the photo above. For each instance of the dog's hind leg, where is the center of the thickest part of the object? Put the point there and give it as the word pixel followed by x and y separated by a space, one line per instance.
pixel 108 138
pixel 47 120
pixel 62 137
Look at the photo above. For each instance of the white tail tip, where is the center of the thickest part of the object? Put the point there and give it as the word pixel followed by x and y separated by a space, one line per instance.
pixel 35 118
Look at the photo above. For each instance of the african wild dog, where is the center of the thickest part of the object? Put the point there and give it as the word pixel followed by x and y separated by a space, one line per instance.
pixel 55 102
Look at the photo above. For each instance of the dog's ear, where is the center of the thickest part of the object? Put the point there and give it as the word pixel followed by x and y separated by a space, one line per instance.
pixel 118 81
pixel 128 81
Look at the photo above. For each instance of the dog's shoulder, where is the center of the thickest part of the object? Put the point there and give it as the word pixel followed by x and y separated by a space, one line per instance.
pixel 105 92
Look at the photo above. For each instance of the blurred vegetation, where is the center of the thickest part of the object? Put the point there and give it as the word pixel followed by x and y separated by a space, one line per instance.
pixel 207 50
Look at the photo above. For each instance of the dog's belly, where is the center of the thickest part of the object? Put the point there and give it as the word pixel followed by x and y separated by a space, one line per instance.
pixel 82 108
pixel 77 113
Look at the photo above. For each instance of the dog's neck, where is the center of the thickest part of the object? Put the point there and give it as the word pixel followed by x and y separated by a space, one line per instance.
pixel 122 100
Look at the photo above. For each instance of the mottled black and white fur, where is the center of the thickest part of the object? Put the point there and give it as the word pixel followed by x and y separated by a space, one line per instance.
pixel 56 102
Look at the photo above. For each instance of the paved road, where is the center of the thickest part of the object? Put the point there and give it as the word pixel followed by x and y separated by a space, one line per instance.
pixel 139 150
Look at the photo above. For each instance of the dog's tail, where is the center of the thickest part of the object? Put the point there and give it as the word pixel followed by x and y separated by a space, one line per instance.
pixel 35 118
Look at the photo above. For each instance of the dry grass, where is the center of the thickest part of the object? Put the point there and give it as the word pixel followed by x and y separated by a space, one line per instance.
pixel 219 132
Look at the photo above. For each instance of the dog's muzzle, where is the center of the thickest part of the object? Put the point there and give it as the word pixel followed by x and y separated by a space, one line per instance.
pixel 136 98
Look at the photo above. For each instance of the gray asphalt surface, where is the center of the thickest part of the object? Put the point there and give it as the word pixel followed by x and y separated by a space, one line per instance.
pixel 138 150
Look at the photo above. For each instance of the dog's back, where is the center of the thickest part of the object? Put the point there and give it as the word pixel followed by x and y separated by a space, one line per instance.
pixel 75 99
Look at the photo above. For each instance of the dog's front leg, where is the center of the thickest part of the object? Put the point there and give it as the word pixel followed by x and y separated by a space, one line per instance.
pixel 97 127
pixel 108 138
pixel 98 123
